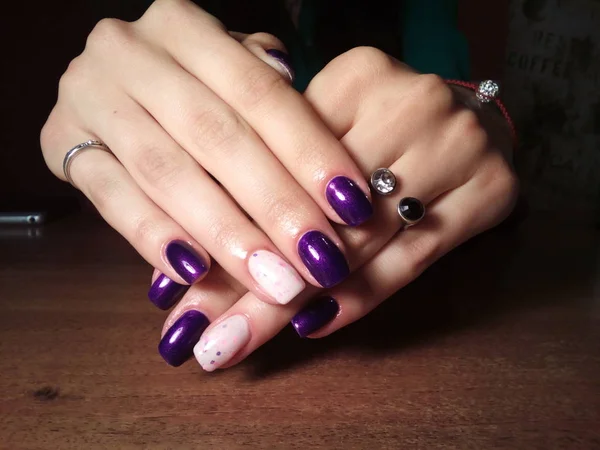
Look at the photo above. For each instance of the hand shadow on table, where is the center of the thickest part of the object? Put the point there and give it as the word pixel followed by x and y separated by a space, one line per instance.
pixel 511 268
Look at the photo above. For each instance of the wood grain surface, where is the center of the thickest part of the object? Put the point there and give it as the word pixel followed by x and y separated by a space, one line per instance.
pixel 496 346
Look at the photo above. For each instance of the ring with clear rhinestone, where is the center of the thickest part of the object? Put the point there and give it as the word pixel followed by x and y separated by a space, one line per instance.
pixel 487 91
pixel 383 181
pixel 411 211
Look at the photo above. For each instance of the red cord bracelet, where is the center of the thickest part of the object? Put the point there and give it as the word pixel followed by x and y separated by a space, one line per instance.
pixel 499 104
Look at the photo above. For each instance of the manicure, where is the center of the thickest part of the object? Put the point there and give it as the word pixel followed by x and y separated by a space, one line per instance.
pixel 275 276
pixel 315 316
pixel 283 62
pixel 222 343
pixel 177 345
pixel 323 259
pixel 349 201
pixel 164 292
pixel 185 261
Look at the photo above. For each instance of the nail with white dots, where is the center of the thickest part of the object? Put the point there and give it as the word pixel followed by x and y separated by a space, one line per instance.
pixel 275 276
pixel 222 342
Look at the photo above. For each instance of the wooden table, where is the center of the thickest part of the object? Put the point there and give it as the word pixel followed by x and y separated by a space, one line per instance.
pixel 496 346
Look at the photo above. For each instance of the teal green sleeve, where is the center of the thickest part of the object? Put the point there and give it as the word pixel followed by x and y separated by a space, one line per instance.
pixel 427 29
pixel 431 41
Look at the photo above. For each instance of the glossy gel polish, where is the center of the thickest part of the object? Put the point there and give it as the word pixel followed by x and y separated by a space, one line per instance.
pixel 349 201
pixel 275 276
pixel 164 292
pixel 222 342
pixel 282 62
pixel 323 259
pixel 177 345
pixel 185 261
pixel 315 316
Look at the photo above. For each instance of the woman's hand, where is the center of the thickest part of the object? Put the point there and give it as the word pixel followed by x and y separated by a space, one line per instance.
pixel 214 153
pixel 454 159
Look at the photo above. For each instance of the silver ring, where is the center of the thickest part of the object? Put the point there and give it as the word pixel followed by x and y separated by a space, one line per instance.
pixel 71 154
pixel 411 211
pixel 487 91
pixel 383 181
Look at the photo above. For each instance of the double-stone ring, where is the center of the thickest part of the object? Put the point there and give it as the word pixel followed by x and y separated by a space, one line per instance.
pixel 411 210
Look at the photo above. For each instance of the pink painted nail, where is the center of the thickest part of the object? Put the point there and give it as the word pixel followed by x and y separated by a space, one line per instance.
pixel 275 276
pixel 221 343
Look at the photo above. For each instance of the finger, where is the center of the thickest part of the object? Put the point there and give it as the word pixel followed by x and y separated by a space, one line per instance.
pixel 107 184
pixel 201 304
pixel 280 116
pixel 346 85
pixel 175 182
pixel 194 125
pixel 425 165
pixel 269 49
pixel 426 177
pixel 452 220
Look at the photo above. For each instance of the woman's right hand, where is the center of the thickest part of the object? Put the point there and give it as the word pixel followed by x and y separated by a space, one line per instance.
pixel 213 153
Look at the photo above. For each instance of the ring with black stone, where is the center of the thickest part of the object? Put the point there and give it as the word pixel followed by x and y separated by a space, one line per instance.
pixel 411 211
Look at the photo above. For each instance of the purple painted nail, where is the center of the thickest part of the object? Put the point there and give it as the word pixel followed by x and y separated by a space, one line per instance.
pixel 284 60
pixel 177 345
pixel 349 201
pixel 186 262
pixel 315 315
pixel 323 259
pixel 164 292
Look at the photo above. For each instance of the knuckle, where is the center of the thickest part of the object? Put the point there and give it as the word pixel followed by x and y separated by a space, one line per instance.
pixel 163 9
pixel 110 34
pixel 76 76
pixel 261 83
pixel 368 64
pixel 49 133
pixel 468 128
pixel 350 74
pixel 163 13
pixel 52 137
pixel 222 234
pixel 369 57
pixel 505 181
pixel 103 189
pixel 146 230
pixel 158 167
pixel 216 130
pixel 434 88
pixel 431 83
pixel 497 181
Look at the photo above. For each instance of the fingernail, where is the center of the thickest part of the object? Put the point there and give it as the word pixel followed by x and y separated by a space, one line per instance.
pixel 284 63
pixel 185 261
pixel 323 259
pixel 222 342
pixel 177 345
pixel 164 292
pixel 349 201
pixel 277 278
pixel 315 316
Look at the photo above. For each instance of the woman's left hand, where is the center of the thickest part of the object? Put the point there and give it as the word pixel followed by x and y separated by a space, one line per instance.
pixel 455 159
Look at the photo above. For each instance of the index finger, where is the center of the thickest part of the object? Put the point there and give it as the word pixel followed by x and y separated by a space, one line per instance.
pixel 279 115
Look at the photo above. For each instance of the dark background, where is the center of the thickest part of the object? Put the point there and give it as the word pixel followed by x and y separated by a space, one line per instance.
pixel 40 38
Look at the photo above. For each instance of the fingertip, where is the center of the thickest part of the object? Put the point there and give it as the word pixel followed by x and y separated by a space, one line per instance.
pixel 188 263
pixel 281 62
pixel 314 316
pixel 349 201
